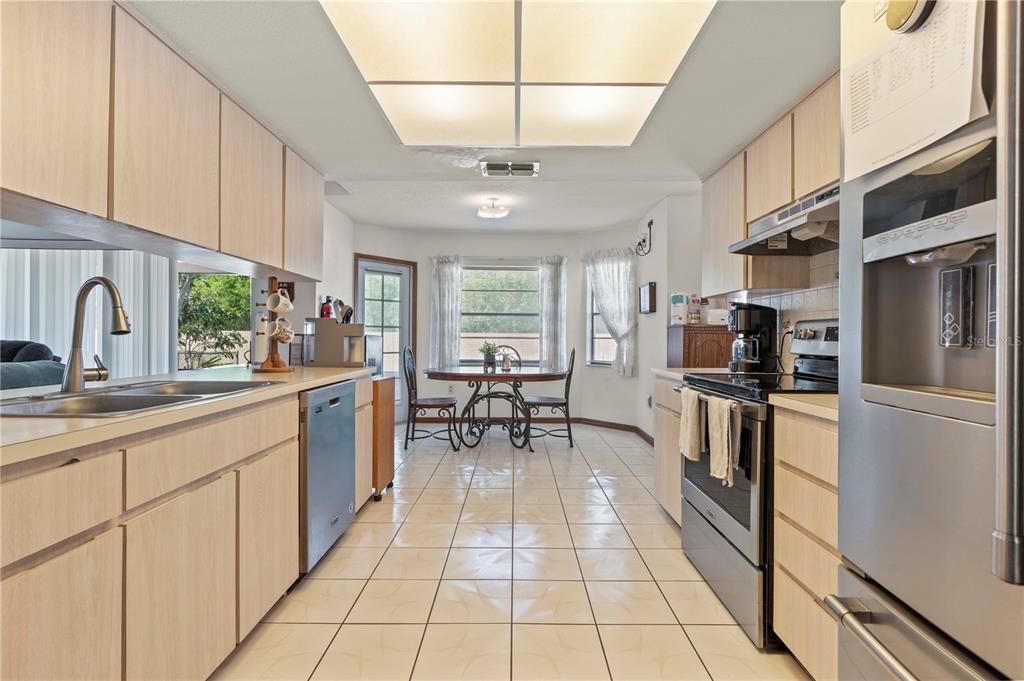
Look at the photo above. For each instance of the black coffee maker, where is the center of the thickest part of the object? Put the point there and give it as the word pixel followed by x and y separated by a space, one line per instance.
pixel 756 346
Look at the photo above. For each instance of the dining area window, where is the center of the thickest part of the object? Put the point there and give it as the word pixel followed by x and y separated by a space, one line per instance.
pixel 500 305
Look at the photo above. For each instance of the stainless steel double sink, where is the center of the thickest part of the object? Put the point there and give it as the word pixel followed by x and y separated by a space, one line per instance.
pixel 123 400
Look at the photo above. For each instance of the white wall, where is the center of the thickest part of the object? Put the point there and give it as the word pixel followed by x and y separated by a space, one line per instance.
pixel 338 277
pixel 673 265
pixel 597 392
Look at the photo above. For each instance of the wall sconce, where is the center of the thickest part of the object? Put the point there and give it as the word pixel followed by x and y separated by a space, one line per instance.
pixel 643 247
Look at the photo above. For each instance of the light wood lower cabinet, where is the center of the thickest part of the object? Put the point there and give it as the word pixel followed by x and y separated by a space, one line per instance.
pixel 62 619
pixel 364 454
pixel 805 529
pixel 268 536
pixel 180 585
pixel 810 633
pixel 42 509
pixel 667 459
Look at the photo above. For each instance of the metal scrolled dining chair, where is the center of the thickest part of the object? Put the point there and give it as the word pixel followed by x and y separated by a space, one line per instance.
pixel 556 404
pixel 419 406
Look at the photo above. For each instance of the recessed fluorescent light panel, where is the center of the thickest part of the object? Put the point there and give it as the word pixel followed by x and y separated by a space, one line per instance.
pixel 517 72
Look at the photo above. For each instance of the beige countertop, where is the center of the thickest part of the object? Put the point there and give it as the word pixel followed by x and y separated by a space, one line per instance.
pixel 822 405
pixel 24 438
pixel 677 374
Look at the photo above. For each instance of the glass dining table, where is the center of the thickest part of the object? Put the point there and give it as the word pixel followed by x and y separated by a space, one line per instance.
pixel 495 385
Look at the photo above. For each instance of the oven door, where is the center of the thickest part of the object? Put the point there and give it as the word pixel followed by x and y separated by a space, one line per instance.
pixel 737 512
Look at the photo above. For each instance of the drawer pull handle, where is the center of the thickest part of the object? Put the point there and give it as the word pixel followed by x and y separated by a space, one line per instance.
pixel 70 461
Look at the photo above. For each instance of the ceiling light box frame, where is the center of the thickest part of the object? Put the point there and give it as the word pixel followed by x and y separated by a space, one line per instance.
pixel 510 73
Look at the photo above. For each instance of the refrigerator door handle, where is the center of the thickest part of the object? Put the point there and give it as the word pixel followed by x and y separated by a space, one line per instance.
pixel 1008 532
pixel 853 620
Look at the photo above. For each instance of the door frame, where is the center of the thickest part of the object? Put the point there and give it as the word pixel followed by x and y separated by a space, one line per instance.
pixel 411 264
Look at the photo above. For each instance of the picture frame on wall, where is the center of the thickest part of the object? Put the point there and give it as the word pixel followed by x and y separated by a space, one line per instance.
pixel 648 298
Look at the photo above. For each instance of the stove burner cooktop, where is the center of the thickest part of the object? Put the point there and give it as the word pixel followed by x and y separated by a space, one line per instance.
pixel 759 385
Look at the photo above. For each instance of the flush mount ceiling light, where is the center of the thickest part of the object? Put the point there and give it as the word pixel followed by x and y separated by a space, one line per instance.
pixel 492 211
pixel 517 72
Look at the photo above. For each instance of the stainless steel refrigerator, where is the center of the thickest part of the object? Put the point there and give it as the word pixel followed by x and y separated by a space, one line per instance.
pixel 931 525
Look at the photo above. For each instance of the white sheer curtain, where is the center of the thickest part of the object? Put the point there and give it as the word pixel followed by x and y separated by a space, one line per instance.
pixel 37 302
pixel 445 310
pixel 551 269
pixel 612 277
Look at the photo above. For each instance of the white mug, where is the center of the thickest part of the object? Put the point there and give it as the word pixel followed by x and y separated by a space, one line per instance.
pixel 281 331
pixel 279 302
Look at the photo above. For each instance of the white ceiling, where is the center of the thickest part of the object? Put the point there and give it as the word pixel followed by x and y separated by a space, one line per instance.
pixel 284 62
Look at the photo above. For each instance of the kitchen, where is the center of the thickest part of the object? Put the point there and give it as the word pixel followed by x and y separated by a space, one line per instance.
pixel 253 480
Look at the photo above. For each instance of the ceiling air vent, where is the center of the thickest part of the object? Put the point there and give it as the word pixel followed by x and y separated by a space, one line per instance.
pixel 509 169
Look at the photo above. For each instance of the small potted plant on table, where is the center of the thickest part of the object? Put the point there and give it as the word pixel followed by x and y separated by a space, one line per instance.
pixel 488 350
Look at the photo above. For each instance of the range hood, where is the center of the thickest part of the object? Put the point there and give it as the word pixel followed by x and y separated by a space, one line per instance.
pixel 807 227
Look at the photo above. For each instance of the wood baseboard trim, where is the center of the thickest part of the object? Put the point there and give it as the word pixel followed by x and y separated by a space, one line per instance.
pixel 612 425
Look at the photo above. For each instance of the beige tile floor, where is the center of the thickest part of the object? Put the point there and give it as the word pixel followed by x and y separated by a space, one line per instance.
pixel 495 563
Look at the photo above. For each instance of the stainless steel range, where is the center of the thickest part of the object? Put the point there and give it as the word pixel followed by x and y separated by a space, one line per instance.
pixel 726 530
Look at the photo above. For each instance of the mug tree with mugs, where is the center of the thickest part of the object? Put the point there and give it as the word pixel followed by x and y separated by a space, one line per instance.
pixel 277 328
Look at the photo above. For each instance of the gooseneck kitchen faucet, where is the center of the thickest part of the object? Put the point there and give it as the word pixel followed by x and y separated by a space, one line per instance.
pixel 75 375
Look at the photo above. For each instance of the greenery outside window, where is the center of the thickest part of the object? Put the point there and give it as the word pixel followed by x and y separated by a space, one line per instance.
pixel 500 305
pixel 213 319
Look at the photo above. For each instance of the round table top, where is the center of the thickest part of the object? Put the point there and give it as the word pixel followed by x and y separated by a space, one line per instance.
pixel 525 374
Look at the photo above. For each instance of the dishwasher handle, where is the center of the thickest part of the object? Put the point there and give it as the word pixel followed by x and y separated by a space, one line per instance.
pixel 853 621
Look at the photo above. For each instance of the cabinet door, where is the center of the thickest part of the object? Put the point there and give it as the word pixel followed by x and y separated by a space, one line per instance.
pixel 303 217
pixel 180 585
pixel 364 454
pixel 165 139
pixel 62 619
pixel 723 223
pixel 56 119
pixel 251 188
pixel 770 169
pixel 667 462
pixel 268 533
pixel 816 139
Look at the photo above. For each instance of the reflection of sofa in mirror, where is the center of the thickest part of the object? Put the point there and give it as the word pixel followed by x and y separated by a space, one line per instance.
pixel 24 364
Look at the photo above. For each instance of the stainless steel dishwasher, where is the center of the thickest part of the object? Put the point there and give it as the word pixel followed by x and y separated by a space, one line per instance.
pixel 327 443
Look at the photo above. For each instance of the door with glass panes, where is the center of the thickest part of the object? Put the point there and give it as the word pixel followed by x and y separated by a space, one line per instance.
pixel 384 306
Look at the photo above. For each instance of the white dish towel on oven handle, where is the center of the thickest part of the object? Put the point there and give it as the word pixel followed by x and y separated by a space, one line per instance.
pixel 691 424
pixel 723 438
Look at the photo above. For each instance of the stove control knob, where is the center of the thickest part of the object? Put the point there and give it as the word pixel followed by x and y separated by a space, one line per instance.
pixel 809 334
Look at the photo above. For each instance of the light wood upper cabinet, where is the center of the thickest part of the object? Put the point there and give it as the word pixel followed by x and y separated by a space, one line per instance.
pixel 816 140
pixel 62 619
pixel 56 108
pixel 770 169
pixel 724 223
pixel 303 217
pixel 268 533
pixel 165 139
pixel 180 585
pixel 251 188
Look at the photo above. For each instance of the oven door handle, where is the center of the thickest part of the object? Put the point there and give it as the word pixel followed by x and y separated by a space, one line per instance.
pixel 853 621
pixel 750 410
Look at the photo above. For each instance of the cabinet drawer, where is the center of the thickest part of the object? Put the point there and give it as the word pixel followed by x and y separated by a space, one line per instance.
pixel 666 396
pixel 364 392
pixel 808 504
pixel 812 564
pixel 62 619
pixel 166 463
pixel 805 627
pixel 42 509
pixel 808 443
